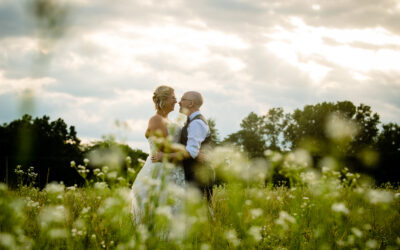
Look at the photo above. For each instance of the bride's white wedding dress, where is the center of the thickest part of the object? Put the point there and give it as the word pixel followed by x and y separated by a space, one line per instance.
pixel 156 182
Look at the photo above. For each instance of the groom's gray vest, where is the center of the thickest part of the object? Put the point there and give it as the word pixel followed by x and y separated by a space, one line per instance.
pixel 191 165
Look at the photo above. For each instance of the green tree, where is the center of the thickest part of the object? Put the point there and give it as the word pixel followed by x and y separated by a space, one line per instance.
pixel 307 126
pixel 367 123
pixel 250 137
pixel 215 140
pixel 275 122
pixel 388 145
pixel 48 146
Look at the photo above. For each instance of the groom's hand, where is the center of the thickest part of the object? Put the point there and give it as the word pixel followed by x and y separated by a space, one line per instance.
pixel 157 157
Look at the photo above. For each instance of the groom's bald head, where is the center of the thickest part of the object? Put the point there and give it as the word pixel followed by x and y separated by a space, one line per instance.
pixel 196 97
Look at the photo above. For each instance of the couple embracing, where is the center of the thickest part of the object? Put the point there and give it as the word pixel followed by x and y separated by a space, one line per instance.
pixel 158 174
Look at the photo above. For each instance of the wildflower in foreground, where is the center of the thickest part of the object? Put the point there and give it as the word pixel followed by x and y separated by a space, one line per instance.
pixel 285 219
pixel 340 208
pixel 7 241
pixel 372 244
pixel 232 238
pixel 377 196
pixel 54 188
pixel 357 232
pixel 254 232
pixel 52 214
pixel 255 213
pixel 58 233
pixel 165 211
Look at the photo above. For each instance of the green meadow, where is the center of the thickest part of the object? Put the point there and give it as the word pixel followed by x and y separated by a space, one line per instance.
pixel 330 208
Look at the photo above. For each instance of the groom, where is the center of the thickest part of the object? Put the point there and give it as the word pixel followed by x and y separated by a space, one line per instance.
pixel 195 136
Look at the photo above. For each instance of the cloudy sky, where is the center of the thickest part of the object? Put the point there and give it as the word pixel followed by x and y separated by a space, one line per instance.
pixel 242 55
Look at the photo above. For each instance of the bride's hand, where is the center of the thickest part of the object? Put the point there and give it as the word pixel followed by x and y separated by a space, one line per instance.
pixel 157 157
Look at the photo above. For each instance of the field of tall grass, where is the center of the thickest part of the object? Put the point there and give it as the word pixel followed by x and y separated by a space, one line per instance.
pixel 329 208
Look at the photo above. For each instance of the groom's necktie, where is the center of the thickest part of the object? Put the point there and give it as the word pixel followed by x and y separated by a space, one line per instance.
pixel 187 121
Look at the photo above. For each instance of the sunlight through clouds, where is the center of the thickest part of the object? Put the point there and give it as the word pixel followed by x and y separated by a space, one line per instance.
pixel 8 85
pixel 188 47
pixel 302 46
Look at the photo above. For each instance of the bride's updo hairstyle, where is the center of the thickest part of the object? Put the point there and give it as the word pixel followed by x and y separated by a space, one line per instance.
pixel 160 95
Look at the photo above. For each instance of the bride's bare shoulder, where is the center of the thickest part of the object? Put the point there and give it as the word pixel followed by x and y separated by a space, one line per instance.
pixel 156 124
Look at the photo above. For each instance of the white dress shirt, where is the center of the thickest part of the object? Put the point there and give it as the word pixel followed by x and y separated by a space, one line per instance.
pixel 197 133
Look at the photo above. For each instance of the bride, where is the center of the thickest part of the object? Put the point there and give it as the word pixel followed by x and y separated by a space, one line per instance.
pixel 151 187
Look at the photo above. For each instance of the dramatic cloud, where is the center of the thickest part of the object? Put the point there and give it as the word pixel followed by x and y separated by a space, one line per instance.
pixel 243 55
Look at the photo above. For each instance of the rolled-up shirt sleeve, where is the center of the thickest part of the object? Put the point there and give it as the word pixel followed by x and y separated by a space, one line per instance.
pixel 197 133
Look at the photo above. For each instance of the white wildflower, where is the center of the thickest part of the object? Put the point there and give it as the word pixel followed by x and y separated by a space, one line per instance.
pixel 340 208
pixel 112 175
pixel 85 210
pixel 7 241
pixel 372 244
pixel 205 246
pixel 165 211
pixel 58 233
pixel 338 128
pixel 54 188
pixel 248 202
pixel 175 191
pixel 3 187
pixel 285 219
pixel 256 212
pixel 232 238
pixel 357 232
pixel 52 214
pixel 378 196
pixel 100 185
pixel 351 239
pixel 254 231
pixel 178 227
pixel 284 215
pixel 100 175
pixel 144 233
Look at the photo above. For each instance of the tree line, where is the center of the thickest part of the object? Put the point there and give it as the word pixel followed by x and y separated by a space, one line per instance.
pixel 351 134
pixel 50 147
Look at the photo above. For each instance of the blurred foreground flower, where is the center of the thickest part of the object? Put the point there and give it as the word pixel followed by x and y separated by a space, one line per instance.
pixel 379 196
pixel 340 208
pixel 285 220
pixel 340 129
